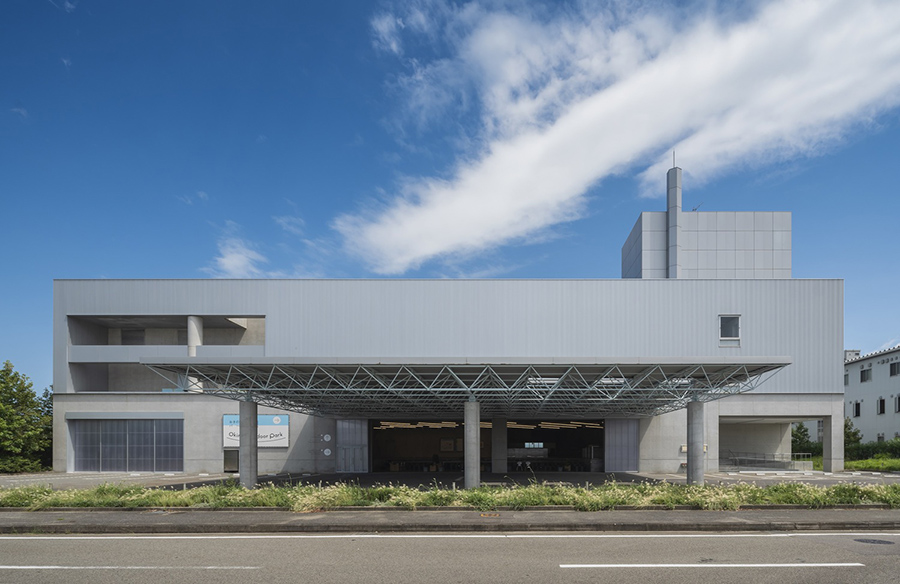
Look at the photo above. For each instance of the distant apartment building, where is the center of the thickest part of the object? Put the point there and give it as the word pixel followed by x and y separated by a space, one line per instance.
pixel 872 393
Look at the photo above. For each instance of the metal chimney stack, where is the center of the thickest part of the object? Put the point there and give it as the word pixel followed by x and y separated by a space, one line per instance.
pixel 673 225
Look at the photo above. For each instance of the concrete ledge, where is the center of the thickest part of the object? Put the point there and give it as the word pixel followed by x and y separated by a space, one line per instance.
pixel 190 521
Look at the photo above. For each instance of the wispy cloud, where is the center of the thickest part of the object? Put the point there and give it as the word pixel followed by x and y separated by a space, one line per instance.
pixel 199 196
pixel 241 257
pixel 565 101
pixel 65 5
pixel 386 33
pixel 20 111
pixel 236 259
pixel 291 223
pixel 889 344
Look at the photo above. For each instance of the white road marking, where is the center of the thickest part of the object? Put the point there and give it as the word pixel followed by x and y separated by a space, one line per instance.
pixel 809 565
pixel 446 536
pixel 129 567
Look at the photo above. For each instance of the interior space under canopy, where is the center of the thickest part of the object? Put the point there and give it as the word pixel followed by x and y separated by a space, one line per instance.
pixel 437 446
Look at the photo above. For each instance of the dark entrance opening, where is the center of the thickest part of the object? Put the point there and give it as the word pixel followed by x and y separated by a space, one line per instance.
pixel 437 446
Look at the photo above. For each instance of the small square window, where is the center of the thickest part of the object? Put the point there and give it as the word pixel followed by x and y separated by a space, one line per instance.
pixel 880 438
pixel 865 375
pixel 895 369
pixel 729 327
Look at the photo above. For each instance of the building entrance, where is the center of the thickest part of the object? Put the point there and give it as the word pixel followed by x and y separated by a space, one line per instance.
pixel 437 446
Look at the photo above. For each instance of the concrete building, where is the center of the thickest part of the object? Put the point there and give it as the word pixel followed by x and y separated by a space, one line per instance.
pixel 872 393
pixel 706 349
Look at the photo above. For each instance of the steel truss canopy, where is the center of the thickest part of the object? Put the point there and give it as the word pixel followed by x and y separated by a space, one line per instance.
pixel 577 389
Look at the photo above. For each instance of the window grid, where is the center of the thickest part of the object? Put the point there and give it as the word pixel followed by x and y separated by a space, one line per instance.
pixel 128 445
pixel 865 375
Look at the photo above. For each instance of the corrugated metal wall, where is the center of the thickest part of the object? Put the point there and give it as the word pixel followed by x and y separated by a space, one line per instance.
pixel 352 444
pixel 622 445
pixel 489 320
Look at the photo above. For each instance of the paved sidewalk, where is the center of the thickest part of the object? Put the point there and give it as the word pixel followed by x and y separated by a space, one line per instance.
pixel 444 521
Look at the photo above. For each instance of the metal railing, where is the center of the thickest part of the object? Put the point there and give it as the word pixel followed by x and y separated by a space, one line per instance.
pixel 767 460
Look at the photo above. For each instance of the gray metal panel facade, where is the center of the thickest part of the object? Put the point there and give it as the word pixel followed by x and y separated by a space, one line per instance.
pixel 622 445
pixel 489 320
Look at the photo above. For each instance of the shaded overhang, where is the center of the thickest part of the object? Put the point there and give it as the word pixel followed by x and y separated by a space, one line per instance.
pixel 426 388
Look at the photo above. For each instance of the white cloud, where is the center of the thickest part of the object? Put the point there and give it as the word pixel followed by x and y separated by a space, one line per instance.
pixel 291 223
pixel 564 102
pixel 236 259
pixel 201 196
pixel 20 111
pixel 889 344
pixel 386 33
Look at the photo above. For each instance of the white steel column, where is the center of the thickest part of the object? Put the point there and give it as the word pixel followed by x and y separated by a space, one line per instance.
pixel 499 452
pixel 695 456
pixel 194 334
pixel 247 453
pixel 472 449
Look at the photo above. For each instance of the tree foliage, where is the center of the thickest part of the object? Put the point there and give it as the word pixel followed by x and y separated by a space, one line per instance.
pixel 801 442
pixel 852 435
pixel 26 421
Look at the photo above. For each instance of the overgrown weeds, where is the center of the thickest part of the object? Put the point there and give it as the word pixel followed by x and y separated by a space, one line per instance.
pixel 610 495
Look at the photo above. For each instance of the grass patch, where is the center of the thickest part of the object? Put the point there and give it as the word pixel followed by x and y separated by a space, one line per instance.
pixel 307 498
pixel 877 464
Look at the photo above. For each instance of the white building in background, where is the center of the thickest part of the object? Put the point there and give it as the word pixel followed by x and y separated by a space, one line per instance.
pixel 872 393
pixel 706 349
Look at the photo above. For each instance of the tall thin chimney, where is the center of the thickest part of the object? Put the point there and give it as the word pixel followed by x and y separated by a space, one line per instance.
pixel 673 225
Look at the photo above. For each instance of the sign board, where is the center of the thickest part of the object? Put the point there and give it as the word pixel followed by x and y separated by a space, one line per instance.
pixel 272 431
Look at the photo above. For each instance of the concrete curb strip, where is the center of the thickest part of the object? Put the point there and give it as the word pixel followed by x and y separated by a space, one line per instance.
pixel 378 508
pixel 189 521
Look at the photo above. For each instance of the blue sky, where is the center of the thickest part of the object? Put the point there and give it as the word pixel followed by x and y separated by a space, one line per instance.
pixel 434 140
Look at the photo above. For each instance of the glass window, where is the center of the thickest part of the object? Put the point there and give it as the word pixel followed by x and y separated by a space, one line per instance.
pixel 855 409
pixel 846 379
pixel 128 445
pixel 729 327
pixel 895 369
pixel 865 375
pixel 879 405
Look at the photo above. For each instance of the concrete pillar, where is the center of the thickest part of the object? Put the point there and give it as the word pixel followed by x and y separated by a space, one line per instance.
pixel 695 456
pixel 499 452
pixel 472 448
pixel 833 441
pixel 673 226
pixel 194 334
pixel 248 452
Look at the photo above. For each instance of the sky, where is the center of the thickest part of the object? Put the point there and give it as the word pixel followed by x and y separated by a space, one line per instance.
pixel 438 139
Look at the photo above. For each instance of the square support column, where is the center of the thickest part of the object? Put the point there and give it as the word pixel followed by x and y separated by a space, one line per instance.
pixel 695 436
pixel 499 451
pixel 248 452
pixel 472 448
pixel 833 440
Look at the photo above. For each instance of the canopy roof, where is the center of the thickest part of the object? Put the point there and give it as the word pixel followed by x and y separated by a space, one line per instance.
pixel 521 388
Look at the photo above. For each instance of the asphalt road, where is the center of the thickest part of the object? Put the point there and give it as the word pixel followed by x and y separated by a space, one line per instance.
pixel 502 558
